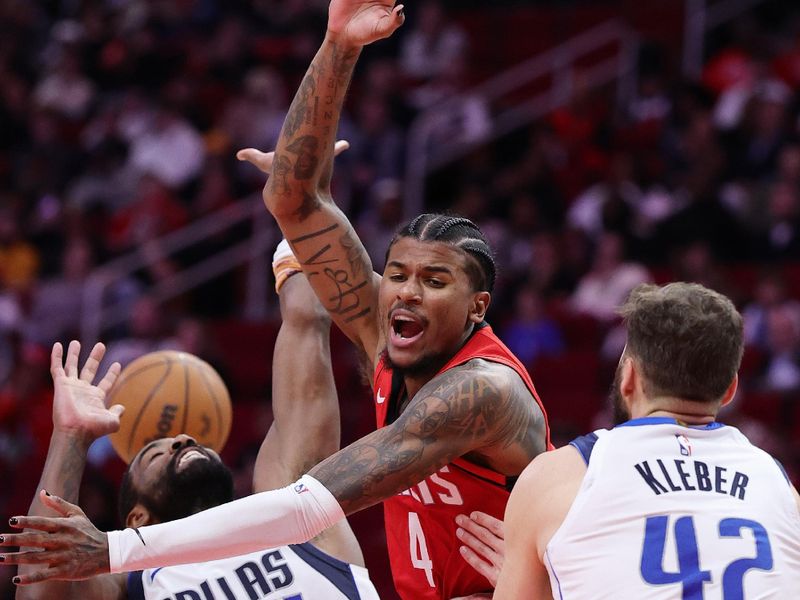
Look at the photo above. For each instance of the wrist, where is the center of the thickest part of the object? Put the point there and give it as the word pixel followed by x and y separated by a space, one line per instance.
pixel 338 38
pixel 72 437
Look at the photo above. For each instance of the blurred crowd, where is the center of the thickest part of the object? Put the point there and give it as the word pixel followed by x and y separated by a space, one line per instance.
pixel 119 122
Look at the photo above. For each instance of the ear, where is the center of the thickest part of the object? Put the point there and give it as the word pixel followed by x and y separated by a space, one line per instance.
pixel 139 516
pixel 480 304
pixel 629 379
pixel 731 391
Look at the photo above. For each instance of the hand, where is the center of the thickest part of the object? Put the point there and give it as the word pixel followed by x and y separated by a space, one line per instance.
pixel 263 160
pixel 485 545
pixel 361 22
pixel 78 406
pixel 71 547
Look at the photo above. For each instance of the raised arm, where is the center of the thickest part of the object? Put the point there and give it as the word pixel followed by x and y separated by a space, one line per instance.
pixel 79 417
pixel 298 192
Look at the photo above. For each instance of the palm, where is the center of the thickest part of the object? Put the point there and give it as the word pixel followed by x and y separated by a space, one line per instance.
pixel 78 404
pixel 361 22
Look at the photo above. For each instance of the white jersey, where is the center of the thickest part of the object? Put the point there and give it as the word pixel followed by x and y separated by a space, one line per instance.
pixel 298 572
pixel 672 512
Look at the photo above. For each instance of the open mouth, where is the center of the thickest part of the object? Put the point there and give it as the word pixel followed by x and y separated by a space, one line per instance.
pixel 188 455
pixel 406 328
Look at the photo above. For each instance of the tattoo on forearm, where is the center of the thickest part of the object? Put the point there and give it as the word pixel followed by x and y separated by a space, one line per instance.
pixel 344 300
pixel 306 148
pixel 463 410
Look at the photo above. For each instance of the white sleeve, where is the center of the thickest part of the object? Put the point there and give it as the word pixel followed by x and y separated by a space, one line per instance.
pixel 290 515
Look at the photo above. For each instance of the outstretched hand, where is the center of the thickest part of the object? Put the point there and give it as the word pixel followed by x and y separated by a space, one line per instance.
pixel 263 160
pixel 361 22
pixel 78 404
pixel 484 542
pixel 71 547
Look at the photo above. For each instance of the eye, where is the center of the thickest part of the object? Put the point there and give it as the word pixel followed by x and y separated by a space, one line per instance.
pixel 153 456
pixel 397 277
pixel 436 283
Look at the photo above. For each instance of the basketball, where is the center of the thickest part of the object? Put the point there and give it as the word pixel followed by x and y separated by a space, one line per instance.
pixel 167 393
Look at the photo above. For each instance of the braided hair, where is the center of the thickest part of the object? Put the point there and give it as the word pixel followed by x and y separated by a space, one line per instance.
pixel 461 233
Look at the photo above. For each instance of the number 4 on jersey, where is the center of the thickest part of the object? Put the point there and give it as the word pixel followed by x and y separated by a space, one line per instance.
pixel 689 573
pixel 420 559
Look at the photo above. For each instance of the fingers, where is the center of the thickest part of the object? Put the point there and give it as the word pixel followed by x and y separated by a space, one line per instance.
pixel 32 539
pixel 340 146
pixel 489 522
pixel 71 366
pixel 474 560
pixel 477 545
pixel 59 505
pixel 61 572
pixel 108 380
pixel 261 160
pixel 398 17
pixel 57 360
pixel 90 366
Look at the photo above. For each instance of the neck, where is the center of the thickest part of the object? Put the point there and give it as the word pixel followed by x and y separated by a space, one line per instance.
pixel 684 411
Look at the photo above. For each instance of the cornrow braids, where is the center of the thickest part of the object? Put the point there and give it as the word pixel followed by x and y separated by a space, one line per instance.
pixel 461 233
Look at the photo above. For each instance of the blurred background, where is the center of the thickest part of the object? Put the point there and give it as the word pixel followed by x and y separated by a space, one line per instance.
pixel 599 144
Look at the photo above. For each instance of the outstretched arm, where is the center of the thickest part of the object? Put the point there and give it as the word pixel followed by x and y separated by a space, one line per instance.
pixel 298 192
pixel 79 417
pixel 476 408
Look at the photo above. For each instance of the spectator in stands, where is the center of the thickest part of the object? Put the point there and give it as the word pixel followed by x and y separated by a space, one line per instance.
pixel 66 89
pixel 603 289
pixel 253 118
pixel 432 44
pixel 780 237
pixel 19 259
pixel 531 333
pixel 57 302
pixel 770 292
pixel 782 366
pixel 379 222
pixel 170 149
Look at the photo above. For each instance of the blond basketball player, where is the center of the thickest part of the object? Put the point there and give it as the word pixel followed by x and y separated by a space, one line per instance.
pixel 174 477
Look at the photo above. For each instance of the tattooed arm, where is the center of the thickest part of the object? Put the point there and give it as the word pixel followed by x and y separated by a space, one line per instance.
pixel 79 417
pixel 479 409
pixel 298 192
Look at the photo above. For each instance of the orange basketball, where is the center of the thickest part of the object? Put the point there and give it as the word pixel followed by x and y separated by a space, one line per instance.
pixel 167 393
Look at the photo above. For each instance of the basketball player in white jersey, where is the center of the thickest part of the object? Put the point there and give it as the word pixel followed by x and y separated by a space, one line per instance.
pixel 174 477
pixel 670 504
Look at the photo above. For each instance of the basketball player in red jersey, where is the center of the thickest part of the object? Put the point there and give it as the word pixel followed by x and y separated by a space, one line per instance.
pixel 457 413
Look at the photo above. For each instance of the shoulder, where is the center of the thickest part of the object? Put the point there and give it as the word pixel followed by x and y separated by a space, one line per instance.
pixel 549 468
pixel 543 495
pixel 494 378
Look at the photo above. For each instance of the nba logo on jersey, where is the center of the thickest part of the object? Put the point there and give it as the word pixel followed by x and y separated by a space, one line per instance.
pixel 685 446
pixel 300 488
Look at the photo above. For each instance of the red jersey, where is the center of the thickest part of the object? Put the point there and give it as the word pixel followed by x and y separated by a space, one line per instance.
pixel 420 522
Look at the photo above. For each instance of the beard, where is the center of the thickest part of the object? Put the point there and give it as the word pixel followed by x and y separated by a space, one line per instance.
pixel 620 411
pixel 426 365
pixel 201 484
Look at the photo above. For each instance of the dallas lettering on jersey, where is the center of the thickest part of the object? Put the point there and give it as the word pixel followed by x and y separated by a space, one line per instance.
pixel 255 580
pixel 681 475
pixel 435 489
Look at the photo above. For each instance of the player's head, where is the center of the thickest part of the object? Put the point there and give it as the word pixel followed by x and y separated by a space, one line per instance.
pixel 436 286
pixel 685 343
pixel 171 478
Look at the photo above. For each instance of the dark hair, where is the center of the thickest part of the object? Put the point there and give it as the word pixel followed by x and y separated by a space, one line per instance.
pixel 687 338
pixel 461 233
